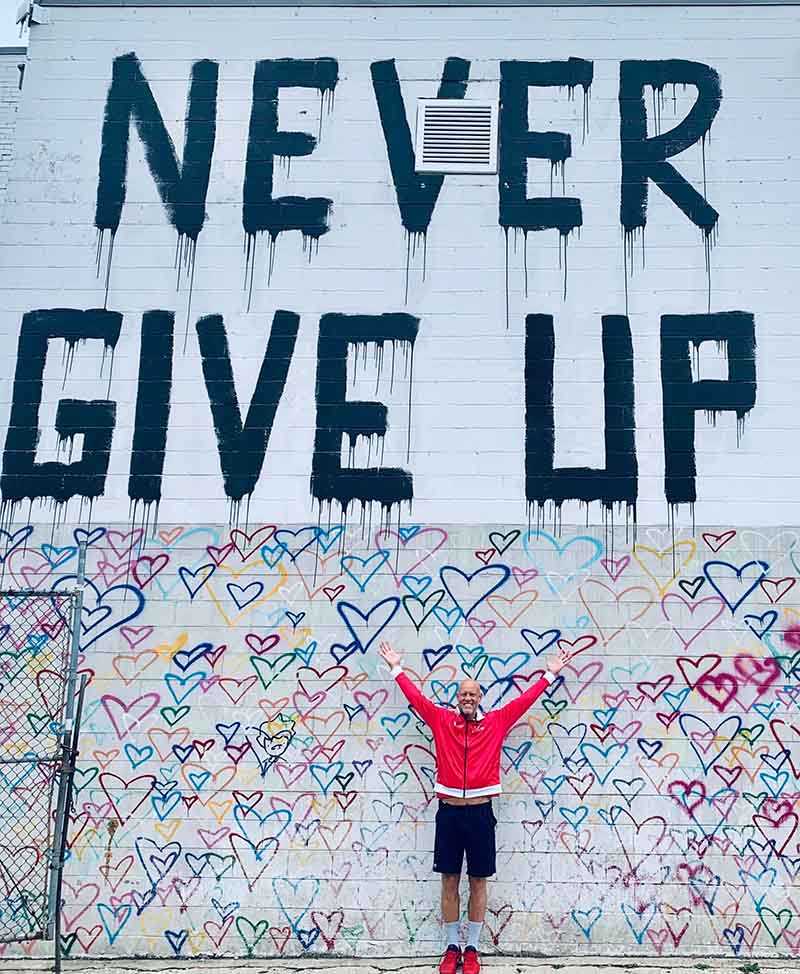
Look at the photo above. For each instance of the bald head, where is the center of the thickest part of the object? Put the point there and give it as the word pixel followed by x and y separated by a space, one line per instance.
pixel 469 696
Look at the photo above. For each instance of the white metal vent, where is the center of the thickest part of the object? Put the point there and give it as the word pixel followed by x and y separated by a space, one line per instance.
pixel 454 135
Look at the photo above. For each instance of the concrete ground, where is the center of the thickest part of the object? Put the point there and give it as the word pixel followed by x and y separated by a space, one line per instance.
pixel 494 965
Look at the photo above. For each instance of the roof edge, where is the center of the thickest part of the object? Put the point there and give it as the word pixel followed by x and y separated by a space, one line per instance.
pixel 418 3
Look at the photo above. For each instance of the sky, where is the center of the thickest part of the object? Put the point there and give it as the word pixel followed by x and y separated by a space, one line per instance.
pixel 9 32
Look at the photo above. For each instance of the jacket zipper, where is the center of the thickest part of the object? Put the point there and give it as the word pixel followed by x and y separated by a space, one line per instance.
pixel 466 732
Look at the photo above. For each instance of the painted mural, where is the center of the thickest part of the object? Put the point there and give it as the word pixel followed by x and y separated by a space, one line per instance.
pixel 252 783
pixel 297 399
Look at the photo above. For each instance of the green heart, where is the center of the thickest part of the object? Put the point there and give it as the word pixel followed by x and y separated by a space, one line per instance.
pixel 352 935
pixel 173 714
pixel 251 933
pixel 425 731
pixel 38 722
pixel 220 864
pixel 554 707
pixel 418 610
pixel 85 776
pixel 413 931
pixel 783 918
pixel 268 671
pixel 11 673
pixel 752 734
pixel 788 663
pixel 755 800
pixel 393 781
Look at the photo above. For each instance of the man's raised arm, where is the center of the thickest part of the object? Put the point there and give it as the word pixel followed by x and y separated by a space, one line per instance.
pixel 424 707
pixel 512 711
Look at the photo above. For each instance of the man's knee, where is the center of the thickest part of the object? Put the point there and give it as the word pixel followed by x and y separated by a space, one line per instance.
pixel 450 882
pixel 477 884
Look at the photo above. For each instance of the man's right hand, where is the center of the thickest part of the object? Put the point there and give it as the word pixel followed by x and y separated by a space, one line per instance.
pixel 391 657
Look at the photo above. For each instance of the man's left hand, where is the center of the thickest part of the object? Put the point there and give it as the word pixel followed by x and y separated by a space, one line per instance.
pixel 557 663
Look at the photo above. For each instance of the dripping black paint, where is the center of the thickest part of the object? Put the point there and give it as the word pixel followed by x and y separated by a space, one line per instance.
pixel 518 144
pixel 22 477
pixel 337 417
pixel 183 188
pixel 416 193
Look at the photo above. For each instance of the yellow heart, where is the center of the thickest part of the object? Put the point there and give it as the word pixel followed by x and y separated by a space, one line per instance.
pixel 538 726
pixel 305 858
pixel 83 843
pixel 167 650
pixel 325 809
pixel 268 593
pixel 674 565
pixel 295 637
pixel 236 663
pixel 219 809
pixel 168 828
pixel 196 939
pixel 153 925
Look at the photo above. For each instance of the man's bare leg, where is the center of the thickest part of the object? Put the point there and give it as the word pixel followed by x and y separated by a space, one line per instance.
pixel 477 899
pixel 451 905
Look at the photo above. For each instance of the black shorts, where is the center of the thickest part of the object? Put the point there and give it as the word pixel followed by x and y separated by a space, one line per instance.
pixel 465 828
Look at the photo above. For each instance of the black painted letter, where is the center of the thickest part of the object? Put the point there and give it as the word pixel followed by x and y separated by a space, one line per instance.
pixel 152 407
pixel 22 477
pixel 518 144
pixel 182 188
pixel 617 482
pixel 682 397
pixel 242 448
pixel 644 158
pixel 260 212
pixel 416 193
pixel 337 417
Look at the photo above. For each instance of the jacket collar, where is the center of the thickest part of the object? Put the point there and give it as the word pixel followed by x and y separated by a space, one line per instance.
pixel 478 717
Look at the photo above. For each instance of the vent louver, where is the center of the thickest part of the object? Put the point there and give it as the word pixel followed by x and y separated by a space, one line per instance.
pixel 454 135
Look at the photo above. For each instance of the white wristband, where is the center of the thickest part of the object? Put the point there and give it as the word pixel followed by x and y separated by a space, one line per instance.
pixel 397 669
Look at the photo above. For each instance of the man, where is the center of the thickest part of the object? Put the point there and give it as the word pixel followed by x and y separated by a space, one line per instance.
pixel 468 746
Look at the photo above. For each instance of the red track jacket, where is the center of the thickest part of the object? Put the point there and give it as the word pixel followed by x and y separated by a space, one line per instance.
pixel 468 751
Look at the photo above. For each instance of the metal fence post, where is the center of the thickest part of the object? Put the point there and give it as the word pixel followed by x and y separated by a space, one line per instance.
pixel 66 773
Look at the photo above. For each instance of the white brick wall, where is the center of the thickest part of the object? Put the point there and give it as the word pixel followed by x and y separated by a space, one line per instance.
pixel 9 99
pixel 650 802
pixel 468 367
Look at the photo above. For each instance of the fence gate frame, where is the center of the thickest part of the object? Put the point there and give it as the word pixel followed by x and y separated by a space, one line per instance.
pixel 55 767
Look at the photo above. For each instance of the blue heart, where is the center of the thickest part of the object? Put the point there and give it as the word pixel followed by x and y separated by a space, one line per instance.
pixel 560 550
pixel 244 595
pixel 327 537
pixel 125 603
pixel 370 567
pixel 448 618
pixel 722 577
pixel 417 584
pixel 539 642
pixel 469 590
pixel 193 581
pixel 366 627
pixel 760 625
pixel 433 657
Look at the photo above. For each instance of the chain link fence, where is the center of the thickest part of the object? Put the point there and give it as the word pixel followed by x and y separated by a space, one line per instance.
pixel 36 637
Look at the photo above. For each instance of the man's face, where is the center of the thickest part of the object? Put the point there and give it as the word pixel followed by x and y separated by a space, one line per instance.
pixel 469 696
